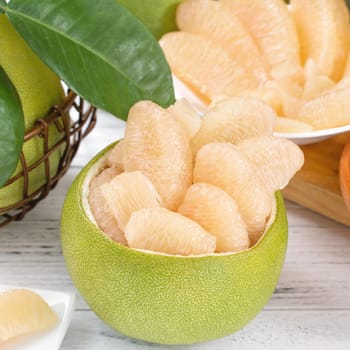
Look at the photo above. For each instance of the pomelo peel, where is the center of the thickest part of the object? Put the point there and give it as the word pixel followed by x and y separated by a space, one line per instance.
pixel 164 298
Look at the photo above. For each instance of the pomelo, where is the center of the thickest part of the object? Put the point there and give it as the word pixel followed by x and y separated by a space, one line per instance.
pixel 39 89
pixel 165 298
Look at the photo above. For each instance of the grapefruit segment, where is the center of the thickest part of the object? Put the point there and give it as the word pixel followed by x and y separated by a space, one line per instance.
pixel 274 31
pixel 156 145
pixel 324 34
pixel 232 120
pixel 213 20
pixel 161 230
pixel 115 158
pixel 218 214
pixel 187 117
pixel 327 111
pixel 99 207
pixel 276 159
pixel 289 125
pixel 129 192
pixel 24 312
pixel 205 66
pixel 222 165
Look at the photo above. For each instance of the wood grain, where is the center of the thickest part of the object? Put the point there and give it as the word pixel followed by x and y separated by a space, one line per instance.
pixel 316 185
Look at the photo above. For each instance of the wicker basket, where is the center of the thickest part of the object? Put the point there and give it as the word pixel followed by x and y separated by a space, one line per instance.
pixel 73 119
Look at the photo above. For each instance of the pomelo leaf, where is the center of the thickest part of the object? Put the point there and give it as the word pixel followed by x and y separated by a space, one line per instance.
pixel 12 128
pixel 159 16
pixel 98 48
pixel 2 3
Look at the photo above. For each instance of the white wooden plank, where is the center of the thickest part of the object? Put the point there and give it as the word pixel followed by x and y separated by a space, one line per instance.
pixel 270 330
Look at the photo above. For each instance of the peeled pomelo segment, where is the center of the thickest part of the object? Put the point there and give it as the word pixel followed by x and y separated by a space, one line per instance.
pixel 161 230
pixel 232 120
pixel 327 111
pixel 289 125
pixel 317 86
pixel 276 159
pixel 213 20
pixel 268 94
pixel 222 165
pixel 347 67
pixel 274 31
pixel 187 117
pixel 324 34
pixel 129 192
pixel 205 65
pixel 115 157
pixel 156 145
pixel 218 214
pixel 23 312
pixel 99 207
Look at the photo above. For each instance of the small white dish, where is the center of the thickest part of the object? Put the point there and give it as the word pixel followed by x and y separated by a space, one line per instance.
pixel 63 304
pixel 302 138
pixel 306 138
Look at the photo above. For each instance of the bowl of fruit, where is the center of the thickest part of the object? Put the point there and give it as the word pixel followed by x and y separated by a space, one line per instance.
pixel 293 56
pixel 174 236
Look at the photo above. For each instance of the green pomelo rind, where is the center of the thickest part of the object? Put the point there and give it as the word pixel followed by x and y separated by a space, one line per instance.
pixel 168 299
pixel 39 89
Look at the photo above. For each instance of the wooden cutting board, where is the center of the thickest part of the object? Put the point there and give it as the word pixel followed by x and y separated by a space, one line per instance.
pixel 316 185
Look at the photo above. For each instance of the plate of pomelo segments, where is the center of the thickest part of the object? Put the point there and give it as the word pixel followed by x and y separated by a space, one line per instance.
pixel 62 304
pixel 300 138
pixel 233 47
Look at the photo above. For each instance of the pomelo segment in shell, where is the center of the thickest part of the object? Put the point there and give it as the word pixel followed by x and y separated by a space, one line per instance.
pixel 161 298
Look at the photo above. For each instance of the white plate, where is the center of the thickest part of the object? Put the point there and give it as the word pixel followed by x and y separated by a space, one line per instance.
pixel 302 138
pixel 63 304
pixel 305 138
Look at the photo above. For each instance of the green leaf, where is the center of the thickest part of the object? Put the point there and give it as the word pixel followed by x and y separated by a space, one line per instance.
pixel 2 4
pixel 12 128
pixel 98 48
pixel 157 15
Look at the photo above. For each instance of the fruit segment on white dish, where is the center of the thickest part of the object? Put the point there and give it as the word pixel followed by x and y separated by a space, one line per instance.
pixel 294 57
pixel 181 185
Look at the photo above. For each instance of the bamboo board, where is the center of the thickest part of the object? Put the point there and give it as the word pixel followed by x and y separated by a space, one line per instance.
pixel 316 185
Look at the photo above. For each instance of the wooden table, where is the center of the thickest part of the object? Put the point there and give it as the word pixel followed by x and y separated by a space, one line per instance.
pixel 310 308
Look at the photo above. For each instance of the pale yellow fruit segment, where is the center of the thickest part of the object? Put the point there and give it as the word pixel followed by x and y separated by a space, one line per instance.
pixel 289 125
pixel 327 111
pixel 187 117
pixel 23 312
pixel 115 157
pixel 129 192
pixel 99 207
pixel 161 230
pixel 232 120
pixel 213 20
pixel 222 165
pixel 274 31
pixel 324 33
pixel 276 159
pixel 317 86
pixel 205 66
pixel 218 214
pixel 156 145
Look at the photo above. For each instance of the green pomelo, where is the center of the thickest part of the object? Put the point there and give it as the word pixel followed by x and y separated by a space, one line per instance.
pixel 39 89
pixel 157 15
pixel 161 298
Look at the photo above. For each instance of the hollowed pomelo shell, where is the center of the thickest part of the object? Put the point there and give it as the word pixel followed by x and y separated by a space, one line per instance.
pixel 162 298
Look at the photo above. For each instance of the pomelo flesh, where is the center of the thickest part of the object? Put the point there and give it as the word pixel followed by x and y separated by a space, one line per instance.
pixel 168 299
pixel 24 312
